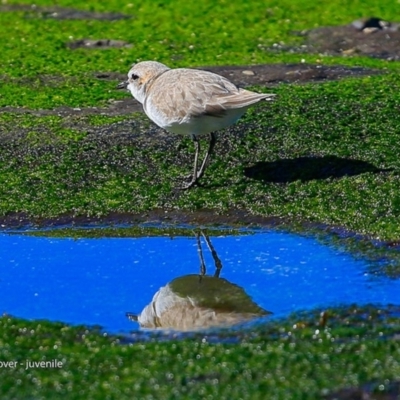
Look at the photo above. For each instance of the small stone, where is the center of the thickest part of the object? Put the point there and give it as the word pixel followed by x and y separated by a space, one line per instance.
pixel 248 72
pixel 349 51
pixel 370 30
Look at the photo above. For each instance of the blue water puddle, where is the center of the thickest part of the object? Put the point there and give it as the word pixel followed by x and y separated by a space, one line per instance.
pixel 96 281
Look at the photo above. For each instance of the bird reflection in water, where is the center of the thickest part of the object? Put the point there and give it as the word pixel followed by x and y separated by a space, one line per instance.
pixel 199 301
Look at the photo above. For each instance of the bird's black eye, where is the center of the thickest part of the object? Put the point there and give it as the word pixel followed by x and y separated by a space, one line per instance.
pixel 134 77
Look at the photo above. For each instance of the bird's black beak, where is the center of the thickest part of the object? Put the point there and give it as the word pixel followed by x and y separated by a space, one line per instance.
pixel 122 85
pixel 132 317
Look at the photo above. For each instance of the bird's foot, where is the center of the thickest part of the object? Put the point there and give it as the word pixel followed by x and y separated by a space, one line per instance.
pixel 190 184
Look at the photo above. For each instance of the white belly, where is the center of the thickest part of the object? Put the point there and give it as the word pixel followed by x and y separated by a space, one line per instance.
pixel 196 125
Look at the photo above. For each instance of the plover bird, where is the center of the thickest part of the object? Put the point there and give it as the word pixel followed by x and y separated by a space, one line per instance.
pixel 189 101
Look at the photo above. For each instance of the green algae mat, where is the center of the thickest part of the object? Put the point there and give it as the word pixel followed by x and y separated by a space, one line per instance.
pixel 72 145
pixel 354 351
pixel 325 152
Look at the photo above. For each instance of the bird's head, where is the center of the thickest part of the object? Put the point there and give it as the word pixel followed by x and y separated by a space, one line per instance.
pixel 140 75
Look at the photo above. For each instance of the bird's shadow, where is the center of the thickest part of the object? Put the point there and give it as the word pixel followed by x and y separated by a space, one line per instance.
pixel 308 168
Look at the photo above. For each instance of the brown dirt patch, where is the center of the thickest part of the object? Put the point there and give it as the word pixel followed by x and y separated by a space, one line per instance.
pixel 370 37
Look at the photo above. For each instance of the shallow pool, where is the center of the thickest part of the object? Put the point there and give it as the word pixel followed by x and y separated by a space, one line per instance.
pixel 96 281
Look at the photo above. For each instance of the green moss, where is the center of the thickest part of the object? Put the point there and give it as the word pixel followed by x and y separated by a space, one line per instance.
pixel 293 358
pixel 174 32
pixel 348 129
pixel 131 231
pixel 89 165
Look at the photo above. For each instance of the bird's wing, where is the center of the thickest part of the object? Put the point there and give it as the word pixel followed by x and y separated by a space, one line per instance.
pixel 214 95
pixel 244 98
pixel 193 93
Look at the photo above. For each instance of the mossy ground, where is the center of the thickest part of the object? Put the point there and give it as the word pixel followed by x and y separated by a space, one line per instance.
pixel 302 357
pixel 96 165
pixel 325 153
pixel 350 129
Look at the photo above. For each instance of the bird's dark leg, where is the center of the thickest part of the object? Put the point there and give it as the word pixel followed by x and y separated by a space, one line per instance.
pixel 196 161
pixel 198 174
pixel 213 140
pixel 200 251
pixel 217 261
